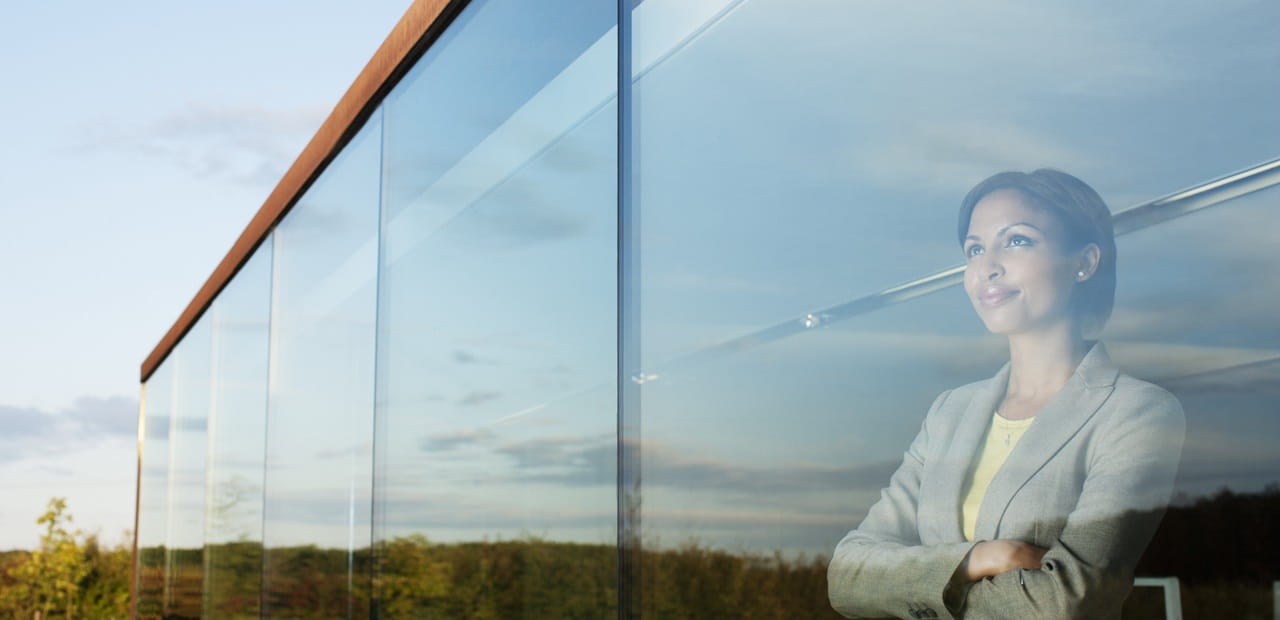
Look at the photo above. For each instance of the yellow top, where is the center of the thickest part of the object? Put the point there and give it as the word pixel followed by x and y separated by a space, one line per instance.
pixel 1002 436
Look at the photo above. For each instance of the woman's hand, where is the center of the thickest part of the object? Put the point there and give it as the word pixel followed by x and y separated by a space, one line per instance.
pixel 992 557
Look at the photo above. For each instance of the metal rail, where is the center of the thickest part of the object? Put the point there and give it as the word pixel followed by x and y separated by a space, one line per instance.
pixel 1145 215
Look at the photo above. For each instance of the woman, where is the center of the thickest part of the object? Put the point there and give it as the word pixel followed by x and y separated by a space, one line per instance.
pixel 1031 494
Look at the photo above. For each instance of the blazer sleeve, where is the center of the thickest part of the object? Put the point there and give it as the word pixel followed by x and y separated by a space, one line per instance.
pixel 881 568
pixel 1088 571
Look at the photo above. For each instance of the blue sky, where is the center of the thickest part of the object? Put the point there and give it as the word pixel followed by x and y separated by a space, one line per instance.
pixel 140 138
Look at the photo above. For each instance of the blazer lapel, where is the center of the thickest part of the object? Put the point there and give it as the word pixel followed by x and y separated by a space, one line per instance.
pixel 1055 425
pixel 962 449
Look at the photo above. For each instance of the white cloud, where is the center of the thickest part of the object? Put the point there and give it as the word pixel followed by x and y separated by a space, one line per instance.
pixel 246 145
pixel 29 432
pixel 85 453
pixel 953 156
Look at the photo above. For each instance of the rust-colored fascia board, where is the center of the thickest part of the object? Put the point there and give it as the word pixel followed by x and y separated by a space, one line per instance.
pixel 420 25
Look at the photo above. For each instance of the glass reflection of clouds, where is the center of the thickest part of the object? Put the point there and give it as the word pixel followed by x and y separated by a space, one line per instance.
pixel 237 437
pixel 442 302
pixel 188 441
pixel 319 470
pixel 496 407
pixel 828 164
pixel 1155 334
pixel 1179 204
pixel 1197 315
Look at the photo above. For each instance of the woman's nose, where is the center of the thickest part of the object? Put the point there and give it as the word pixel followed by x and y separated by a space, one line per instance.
pixel 993 269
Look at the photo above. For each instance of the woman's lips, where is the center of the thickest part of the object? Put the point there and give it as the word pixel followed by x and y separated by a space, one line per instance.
pixel 993 296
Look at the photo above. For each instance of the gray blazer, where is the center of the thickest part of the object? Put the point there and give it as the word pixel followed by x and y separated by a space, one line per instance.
pixel 1089 481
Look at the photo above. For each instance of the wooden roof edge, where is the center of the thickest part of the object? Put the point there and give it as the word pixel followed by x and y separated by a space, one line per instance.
pixel 417 29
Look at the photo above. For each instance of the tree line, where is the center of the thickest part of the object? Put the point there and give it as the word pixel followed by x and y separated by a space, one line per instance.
pixel 1223 548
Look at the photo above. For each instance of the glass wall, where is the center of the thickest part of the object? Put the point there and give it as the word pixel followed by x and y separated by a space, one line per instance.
pixel 319 458
pixel 536 346
pixel 496 408
pixel 237 436
pixel 188 439
pixel 798 176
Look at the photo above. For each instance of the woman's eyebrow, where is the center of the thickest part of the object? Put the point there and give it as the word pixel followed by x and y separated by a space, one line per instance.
pixel 1004 230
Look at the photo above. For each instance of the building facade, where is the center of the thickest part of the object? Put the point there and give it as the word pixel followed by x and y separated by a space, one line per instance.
pixel 594 308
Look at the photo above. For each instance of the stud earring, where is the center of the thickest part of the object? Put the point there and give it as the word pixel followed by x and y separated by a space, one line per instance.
pixel 1080 274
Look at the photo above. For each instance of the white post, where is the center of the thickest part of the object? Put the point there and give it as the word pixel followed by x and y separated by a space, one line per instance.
pixel 1173 594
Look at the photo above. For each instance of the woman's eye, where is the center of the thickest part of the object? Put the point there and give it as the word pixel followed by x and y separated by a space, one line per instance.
pixel 972 251
pixel 1019 241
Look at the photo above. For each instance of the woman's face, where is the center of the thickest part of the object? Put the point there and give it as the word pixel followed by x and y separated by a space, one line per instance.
pixel 1018 273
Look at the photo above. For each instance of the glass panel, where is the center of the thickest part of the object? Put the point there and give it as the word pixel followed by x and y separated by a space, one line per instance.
pixel 237 435
pixel 188 443
pixel 1196 314
pixel 790 162
pixel 496 385
pixel 153 493
pixel 320 414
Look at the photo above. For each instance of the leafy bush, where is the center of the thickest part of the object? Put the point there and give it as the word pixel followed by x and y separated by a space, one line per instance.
pixel 70 575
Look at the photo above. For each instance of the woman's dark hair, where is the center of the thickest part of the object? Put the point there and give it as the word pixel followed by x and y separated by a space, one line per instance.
pixel 1084 217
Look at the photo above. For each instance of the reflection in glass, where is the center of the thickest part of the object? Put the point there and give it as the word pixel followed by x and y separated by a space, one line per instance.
pixel 1058 468
pixel 496 408
pixel 787 163
pixel 237 432
pixel 316 529
pixel 188 441
pixel 153 493
pixel 1201 322
pixel 1198 318
pixel 796 177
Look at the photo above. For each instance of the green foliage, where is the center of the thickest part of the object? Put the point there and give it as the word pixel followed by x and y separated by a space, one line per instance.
pixel 69 576
pixel 534 578
pixel 233 580
pixel 410 578
pixel 311 582
pixel 506 579
pixel 696 582
pixel 150 576
pixel 1222 547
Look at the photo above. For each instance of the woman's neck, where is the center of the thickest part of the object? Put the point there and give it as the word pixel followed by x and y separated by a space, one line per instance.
pixel 1041 363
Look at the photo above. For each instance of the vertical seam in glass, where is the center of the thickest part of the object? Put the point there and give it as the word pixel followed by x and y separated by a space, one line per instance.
pixel 210 435
pixel 137 503
pixel 379 114
pixel 266 425
pixel 627 463
pixel 175 388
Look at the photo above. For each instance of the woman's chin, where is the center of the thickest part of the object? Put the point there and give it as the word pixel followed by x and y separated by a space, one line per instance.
pixel 1001 326
pixel 1011 326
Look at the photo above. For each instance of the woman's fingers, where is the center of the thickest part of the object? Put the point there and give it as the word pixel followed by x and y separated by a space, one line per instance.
pixel 992 557
pixel 1027 556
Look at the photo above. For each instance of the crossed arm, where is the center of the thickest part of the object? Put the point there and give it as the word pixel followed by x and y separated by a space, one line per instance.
pixel 883 569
